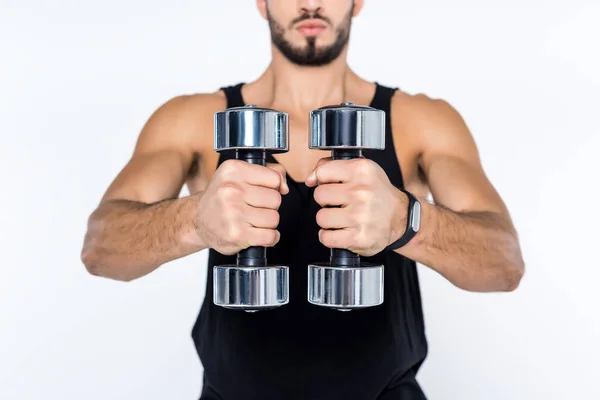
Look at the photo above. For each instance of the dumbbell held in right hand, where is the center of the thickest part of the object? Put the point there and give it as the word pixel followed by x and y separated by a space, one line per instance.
pixel 251 284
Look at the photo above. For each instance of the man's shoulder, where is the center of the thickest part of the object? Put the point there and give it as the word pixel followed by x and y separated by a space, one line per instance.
pixel 183 121
pixel 194 106
pixel 416 108
pixel 186 113
pixel 424 116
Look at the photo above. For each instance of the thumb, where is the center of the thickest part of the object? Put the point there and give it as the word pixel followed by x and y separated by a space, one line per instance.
pixel 312 178
pixel 284 188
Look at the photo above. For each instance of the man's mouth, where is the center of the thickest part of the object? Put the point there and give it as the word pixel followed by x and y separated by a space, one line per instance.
pixel 311 27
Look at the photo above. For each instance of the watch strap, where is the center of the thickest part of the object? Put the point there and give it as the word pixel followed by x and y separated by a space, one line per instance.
pixel 413 222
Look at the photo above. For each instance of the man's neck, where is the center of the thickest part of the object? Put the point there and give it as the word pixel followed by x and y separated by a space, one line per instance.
pixel 301 89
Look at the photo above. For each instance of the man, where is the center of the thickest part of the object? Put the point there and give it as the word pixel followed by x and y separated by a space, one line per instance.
pixel 301 351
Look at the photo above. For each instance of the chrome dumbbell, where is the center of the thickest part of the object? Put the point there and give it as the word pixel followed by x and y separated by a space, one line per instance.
pixel 251 284
pixel 344 283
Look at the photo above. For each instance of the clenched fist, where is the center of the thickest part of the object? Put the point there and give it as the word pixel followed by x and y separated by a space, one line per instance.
pixel 367 214
pixel 240 206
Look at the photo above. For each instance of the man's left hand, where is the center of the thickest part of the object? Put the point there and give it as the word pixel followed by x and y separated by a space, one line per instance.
pixel 368 211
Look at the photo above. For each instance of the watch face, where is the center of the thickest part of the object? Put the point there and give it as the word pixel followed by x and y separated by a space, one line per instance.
pixel 415 218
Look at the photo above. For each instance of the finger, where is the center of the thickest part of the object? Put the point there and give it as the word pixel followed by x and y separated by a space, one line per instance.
pixel 332 194
pixel 284 189
pixel 263 237
pixel 261 197
pixel 337 239
pixel 333 218
pixel 323 161
pixel 334 171
pixel 261 217
pixel 259 175
pixel 312 178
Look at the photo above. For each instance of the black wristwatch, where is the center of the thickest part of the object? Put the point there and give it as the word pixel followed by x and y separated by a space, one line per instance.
pixel 413 222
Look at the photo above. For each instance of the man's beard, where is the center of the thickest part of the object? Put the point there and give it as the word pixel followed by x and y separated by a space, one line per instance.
pixel 311 55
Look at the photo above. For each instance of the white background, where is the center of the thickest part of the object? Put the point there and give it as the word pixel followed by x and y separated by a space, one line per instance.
pixel 79 78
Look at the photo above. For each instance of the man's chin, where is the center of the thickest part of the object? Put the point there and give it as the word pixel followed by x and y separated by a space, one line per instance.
pixel 308 51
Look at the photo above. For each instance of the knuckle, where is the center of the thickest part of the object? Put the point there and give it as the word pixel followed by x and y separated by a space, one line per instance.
pixel 279 169
pixel 358 240
pixel 361 240
pixel 364 163
pixel 229 191
pixel 362 194
pixel 235 233
pixel 229 168
pixel 363 167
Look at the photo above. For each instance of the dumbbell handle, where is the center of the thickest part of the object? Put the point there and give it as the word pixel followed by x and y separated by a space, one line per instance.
pixel 254 256
pixel 343 257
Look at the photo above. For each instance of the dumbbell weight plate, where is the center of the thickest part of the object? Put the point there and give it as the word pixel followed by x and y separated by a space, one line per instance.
pixel 345 288
pixel 250 288
pixel 347 126
pixel 251 128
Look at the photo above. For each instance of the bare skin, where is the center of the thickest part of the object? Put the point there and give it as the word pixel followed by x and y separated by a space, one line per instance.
pixel 467 235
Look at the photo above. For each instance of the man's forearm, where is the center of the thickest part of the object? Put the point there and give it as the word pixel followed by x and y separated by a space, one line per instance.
pixel 126 240
pixel 476 251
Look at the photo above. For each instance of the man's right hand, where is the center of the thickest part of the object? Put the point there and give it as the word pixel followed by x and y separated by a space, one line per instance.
pixel 239 208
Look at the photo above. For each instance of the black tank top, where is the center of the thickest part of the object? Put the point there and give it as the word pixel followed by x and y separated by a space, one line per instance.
pixel 302 351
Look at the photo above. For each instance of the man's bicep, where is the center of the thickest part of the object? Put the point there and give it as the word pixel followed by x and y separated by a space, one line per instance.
pixel 150 177
pixel 452 166
pixel 162 156
pixel 462 185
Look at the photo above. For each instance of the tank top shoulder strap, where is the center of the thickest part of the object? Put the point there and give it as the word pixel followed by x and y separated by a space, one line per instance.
pixel 382 98
pixel 387 158
pixel 233 94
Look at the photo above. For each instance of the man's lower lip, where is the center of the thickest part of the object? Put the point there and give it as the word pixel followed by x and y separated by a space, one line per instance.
pixel 311 30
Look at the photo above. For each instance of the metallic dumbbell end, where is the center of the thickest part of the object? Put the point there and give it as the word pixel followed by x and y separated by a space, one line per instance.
pixel 251 128
pixel 345 288
pixel 347 126
pixel 250 288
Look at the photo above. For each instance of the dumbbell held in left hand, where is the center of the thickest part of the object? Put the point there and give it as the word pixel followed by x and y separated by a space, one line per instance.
pixel 344 283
